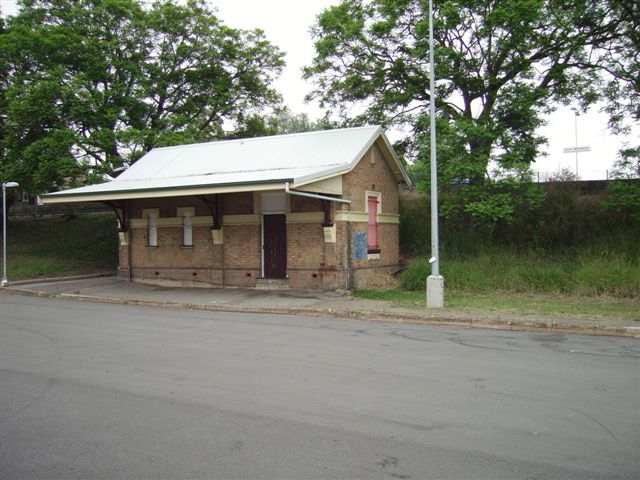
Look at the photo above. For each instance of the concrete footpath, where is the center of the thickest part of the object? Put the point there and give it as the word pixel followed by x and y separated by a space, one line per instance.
pixel 108 289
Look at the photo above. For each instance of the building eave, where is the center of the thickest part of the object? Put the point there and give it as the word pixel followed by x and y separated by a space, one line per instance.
pixel 177 191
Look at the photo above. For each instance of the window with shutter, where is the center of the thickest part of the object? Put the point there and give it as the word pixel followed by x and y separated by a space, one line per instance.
pixel 152 236
pixel 373 245
pixel 187 229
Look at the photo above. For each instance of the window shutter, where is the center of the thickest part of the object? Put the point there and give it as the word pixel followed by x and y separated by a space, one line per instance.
pixel 372 237
pixel 153 229
pixel 187 230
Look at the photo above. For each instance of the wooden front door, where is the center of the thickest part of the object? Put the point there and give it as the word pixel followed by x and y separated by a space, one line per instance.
pixel 275 246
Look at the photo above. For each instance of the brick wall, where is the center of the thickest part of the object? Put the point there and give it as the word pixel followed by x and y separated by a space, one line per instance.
pixel 305 254
pixel 169 260
pixel 242 246
pixel 168 206
pixel 373 174
pixel 304 204
pixel 237 203
pixel 305 245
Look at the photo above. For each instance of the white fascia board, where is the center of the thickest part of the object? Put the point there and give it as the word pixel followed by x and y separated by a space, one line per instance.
pixel 331 185
pixel 396 160
pixel 321 175
pixel 378 131
pixel 177 192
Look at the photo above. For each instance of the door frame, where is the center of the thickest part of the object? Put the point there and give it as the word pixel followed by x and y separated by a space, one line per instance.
pixel 272 203
pixel 263 249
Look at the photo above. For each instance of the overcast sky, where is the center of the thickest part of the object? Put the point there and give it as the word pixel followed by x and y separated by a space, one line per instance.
pixel 286 23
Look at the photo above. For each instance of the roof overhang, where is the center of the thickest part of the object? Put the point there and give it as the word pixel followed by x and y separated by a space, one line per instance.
pixel 131 194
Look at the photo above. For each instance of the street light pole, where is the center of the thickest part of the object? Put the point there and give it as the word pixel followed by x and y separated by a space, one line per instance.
pixel 5 185
pixel 576 149
pixel 435 282
pixel 576 132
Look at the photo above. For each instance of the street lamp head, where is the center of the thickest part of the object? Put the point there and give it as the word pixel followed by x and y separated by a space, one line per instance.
pixel 10 185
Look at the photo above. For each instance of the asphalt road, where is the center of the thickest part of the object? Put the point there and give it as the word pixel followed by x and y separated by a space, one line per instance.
pixel 110 391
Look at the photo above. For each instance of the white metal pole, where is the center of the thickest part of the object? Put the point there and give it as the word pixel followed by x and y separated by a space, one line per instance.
pixel 576 131
pixel 4 235
pixel 435 282
pixel 5 185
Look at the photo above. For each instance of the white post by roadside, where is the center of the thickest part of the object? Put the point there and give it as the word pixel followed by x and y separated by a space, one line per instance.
pixel 5 185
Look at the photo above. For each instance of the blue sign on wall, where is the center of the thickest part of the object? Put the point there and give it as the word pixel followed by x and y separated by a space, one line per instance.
pixel 360 246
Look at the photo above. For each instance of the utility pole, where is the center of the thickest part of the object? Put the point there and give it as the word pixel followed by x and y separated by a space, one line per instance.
pixel 5 185
pixel 575 116
pixel 435 282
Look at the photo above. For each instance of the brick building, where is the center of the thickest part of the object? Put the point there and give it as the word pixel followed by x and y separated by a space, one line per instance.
pixel 315 210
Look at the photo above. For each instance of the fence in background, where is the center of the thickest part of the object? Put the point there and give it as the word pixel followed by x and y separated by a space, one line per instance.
pixel 23 210
pixel 541 176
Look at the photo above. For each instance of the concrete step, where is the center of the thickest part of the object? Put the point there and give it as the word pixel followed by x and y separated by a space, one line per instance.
pixel 272 284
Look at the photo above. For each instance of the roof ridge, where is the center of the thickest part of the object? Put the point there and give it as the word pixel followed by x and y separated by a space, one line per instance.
pixel 265 137
pixel 123 180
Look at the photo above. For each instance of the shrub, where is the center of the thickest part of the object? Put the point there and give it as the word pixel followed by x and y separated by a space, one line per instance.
pixel 564 219
pixel 414 276
pixel 624 199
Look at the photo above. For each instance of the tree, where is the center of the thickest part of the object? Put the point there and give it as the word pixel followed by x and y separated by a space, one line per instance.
pixel 500 66
pixel 627 163
pixel 285 121
pixel 620 60
pixel 562 175
pixel 95 84
pixel 279 122
pixel 623 197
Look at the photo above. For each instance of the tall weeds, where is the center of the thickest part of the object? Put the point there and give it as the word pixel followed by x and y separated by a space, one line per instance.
pixel 523 272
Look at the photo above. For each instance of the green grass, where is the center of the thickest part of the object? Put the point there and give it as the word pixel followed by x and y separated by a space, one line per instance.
pixel 505 303
pixel 52 246
pixel 587 283
pixel 583 273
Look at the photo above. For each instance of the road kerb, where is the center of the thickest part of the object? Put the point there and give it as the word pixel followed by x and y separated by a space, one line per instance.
pixel 416 319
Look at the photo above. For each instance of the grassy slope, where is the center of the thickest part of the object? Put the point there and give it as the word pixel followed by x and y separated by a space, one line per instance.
pixel 586 283
pixel 533 304
pixel 53 246
pixel 583 273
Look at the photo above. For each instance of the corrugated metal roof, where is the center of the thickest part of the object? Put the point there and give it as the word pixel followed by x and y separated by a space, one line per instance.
pixel 295 158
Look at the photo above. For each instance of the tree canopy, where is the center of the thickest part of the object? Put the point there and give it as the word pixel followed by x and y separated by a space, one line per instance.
pixel 621 64
pixel 501 65
pixel 91 85
pixel 283 121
